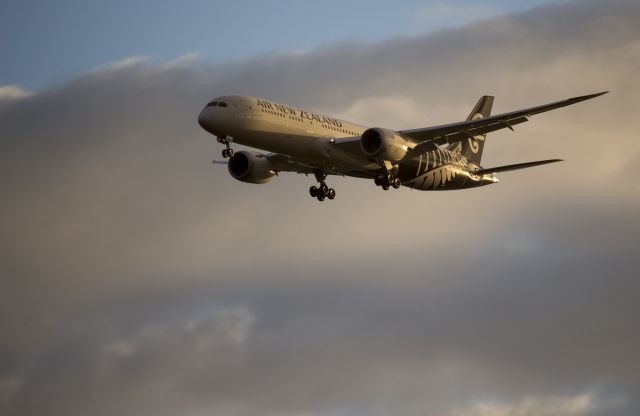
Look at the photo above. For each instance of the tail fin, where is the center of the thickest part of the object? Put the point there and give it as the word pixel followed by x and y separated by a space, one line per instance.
pixel 472 147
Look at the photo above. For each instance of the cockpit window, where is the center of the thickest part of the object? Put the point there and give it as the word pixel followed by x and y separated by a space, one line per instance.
pixel 217 104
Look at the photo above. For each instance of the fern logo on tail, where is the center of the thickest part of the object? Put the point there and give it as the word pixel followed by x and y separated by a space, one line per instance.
pixel 474 146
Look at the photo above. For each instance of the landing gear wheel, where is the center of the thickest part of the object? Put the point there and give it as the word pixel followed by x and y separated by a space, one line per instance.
pixel 322 191
pixel 226 140
pixel 387 180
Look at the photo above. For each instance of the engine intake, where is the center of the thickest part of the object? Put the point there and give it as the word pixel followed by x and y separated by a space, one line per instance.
pixel 250 167
pixel 382 144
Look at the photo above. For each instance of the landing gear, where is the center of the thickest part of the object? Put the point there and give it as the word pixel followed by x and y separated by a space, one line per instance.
pixel 387 181
pixel 226 140
pixel 323 191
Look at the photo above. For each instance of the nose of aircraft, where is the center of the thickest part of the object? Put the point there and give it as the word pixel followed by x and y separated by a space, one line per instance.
pixel 203 120
pixel 214 117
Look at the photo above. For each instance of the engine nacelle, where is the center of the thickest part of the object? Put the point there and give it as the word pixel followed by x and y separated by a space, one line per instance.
pixel 250 167
pixel 382 144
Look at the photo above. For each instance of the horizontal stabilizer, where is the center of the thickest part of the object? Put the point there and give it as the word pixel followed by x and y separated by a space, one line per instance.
pixel 515 167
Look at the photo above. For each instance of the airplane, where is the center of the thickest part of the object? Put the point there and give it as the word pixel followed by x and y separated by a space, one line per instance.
pixel 443 157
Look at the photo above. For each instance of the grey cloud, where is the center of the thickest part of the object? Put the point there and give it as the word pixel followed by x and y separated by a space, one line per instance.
pixel 139 279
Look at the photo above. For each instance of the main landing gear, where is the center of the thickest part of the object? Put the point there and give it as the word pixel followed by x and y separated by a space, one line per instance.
pixel 387 181
pixel 323 191
pixel 226 140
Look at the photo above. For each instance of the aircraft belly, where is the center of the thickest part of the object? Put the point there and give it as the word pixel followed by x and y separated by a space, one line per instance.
pixel 273 137
pixel 428 177
pixel 302 145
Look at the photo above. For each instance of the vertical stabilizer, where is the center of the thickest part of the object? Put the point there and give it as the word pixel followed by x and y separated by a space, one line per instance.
pixel 471 148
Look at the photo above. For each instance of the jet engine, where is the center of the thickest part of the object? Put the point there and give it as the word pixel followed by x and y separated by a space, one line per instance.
pixel 250 167
pixel 382 144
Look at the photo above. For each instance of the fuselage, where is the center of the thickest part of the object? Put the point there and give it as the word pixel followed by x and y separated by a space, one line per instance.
pixel 309 136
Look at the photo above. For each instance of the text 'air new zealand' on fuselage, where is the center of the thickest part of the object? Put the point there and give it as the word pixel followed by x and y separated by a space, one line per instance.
pixel 433 158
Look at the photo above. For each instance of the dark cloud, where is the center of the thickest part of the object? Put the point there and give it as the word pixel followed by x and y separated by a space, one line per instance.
pixel 139 279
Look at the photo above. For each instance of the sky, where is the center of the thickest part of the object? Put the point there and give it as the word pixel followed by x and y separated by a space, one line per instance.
pixel 137 278
pixel 45 43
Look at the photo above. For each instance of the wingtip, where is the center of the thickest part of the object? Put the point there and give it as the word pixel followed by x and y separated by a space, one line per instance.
pixel 598 94
pixel 551 161
pixel 586 97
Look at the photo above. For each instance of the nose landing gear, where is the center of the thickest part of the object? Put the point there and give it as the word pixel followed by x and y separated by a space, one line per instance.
pixel 323 191
pixel 226 140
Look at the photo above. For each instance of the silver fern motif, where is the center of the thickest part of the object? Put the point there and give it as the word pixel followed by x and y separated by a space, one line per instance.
pixel 434 178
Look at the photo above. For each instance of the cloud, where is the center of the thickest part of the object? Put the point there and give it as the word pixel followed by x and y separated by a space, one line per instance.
pixel 440 14
pixel 584 404
pixel 138 278
pixel 12 92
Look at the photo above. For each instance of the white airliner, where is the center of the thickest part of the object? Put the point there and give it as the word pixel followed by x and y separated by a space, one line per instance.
pixel 432 158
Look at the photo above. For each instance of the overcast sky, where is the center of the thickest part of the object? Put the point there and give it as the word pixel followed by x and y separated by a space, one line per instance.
pixel 138 279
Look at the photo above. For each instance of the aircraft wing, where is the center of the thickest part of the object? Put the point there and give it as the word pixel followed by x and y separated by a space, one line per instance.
pixel 279 163
pixel 431 137
pixel 282 163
